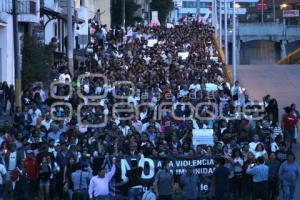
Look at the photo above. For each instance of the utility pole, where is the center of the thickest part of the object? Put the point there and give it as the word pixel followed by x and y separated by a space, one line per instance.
pixel 226 32
pixel 70 37
pixel 18 78
pixel 220 23
pixel 234 42
pixel 262 11
pixel 198 8
pixel 274 13
pixel 123 13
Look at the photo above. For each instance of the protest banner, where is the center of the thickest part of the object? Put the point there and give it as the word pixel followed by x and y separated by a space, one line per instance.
pixel 202 166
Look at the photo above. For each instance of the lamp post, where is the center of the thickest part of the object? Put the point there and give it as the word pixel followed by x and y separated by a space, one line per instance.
pixel 70 36
pixel 18 78
pixel 234 41
pixel 123 14
pixel 220 23
pixel 225 31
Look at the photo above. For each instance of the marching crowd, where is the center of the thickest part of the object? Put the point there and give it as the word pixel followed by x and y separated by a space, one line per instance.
pixel 137 91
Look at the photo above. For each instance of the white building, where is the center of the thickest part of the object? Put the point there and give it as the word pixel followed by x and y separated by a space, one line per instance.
pixel 28 15
pixel 45 19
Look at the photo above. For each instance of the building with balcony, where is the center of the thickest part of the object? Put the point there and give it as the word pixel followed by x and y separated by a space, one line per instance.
pixel 28 15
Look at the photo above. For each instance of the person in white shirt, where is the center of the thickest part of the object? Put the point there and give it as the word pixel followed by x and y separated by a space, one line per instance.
pixel 47 121
pixel 275 144
pixel 35 113
pixel 99 184
pixel 236 92
pixel 63 77
pixel 3 174
pixel 149 194
pixel 252 145
pixel 260 151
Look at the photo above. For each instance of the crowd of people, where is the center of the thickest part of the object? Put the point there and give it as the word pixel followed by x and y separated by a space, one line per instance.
pixel 50 152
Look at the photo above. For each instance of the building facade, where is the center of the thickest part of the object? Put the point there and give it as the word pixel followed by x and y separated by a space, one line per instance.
pixel 46 20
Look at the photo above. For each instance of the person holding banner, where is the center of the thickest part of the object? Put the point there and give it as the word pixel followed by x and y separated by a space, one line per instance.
pixel 164 182
pixel 99 185
pixel 189 183
pixel 222 182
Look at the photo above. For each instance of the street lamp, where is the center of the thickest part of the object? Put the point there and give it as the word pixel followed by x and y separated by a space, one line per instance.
pixel 234 41
pixel 225 31
pixel 236 5
pixel 284 5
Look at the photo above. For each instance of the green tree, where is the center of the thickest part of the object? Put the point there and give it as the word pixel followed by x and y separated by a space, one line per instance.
pixel 130 8
pixel 163 7
pixel 36 61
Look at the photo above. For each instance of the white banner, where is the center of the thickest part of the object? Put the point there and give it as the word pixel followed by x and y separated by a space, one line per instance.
pixel 203 136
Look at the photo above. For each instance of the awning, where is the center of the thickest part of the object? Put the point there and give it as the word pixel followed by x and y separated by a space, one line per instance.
pixel 56 15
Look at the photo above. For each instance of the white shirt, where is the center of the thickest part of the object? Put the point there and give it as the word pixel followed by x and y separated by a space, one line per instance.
pixel 149 195
pixel 12 164
pixel 195 87
pixel 34 115
pixel 274 147
pixel 252 145
pixel 46 123
pixel 3 172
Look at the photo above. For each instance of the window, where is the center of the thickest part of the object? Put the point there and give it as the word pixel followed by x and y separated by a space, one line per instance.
pixel 189 4
pixel 32 7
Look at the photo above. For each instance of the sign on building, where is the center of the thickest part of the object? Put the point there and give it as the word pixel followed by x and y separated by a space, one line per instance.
pixel 290 13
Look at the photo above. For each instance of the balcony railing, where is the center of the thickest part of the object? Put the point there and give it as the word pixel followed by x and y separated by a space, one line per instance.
pixel 23 6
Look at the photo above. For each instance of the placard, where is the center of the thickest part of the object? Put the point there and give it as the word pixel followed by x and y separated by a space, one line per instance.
pixel 152 42
pixel 203 137
pixel 183 55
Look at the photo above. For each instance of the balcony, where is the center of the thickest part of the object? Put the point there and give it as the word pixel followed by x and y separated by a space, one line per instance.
pixel 28 10
pixel 23 6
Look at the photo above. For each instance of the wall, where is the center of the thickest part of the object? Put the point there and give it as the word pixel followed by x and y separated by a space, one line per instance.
pixel 30 17
pixel 259 52
pixel 7 72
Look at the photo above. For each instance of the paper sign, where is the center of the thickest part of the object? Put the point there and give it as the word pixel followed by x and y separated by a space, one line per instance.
pixel 152 42
pixel 203 137
pixel 183 55
pixel 210 87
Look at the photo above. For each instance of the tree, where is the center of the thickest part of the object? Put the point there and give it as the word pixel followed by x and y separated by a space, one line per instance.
pixel 163 7
pixel 36 61
pixel 130 8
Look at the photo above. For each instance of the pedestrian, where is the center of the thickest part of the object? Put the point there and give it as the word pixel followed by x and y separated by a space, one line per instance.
pixel 31 168
pixel 3 174
pixel 134 183
pixel 296 113
pixel 288 174
pixel 222 182
pixel 164 182
pixel 238 162
pixel 80 179
pixel 149 194
pixel 289 122
pixel 274 165
pixel 260 172
pixel 99 184
pixel 189 182
pixel 44 177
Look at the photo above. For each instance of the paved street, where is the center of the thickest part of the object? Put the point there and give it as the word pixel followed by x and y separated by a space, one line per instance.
pixel 280 81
